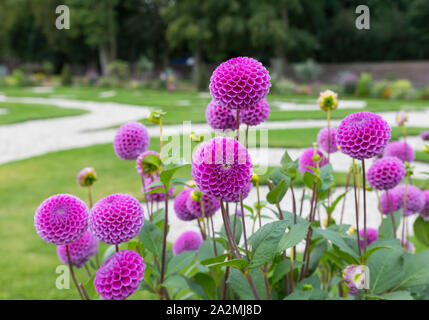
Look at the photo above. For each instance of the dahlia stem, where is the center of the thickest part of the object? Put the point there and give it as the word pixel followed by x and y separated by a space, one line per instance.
pixel 202 217
pixel 356 206
pixel 225 284
pixel 258 210
pixel 364 205
pixel 213 234
pixel 87 270
pixel 161 142
pixel 84 291
pixel 294 217
pixel 231 240
pixel 90 197
pixel 404 210
pixel 145 200
pixel 72 271
pixel 164 244
pixel 238 124
pixel 302 202
pixel 244 227
pixel 328 117
pixel 252 285
pixel 117 248
pixel 389 203
pixel 345 195
pixel 247 135
pixel 292 257
pixel 307 265
pixel 267 285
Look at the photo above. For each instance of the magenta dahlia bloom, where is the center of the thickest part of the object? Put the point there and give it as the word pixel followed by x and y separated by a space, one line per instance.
pixel 211 205
pixel 371 236
pixel 86 177
pixel 256 114
pixel 144 169
pixel 157 197
pixel 61 219
pixel 386 173
pixel 131 140
pixel 395 202
pixel 116 218
pixel 239 83
pixel 425 212
pixel 220 118
pixel 322 140
pixel 180 208
pixel 400 149
pixel 235 197
pixel 306 159
pixel 424 135
pixel 354 277
pixel 221 167
pixel 363 135
pixel 80 250
pixel 120 275
pixel 187 241
pixel 415 198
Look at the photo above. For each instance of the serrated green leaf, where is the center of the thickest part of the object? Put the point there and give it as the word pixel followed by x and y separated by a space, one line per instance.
pixel 151 237
pixel 421 231
pixel 295 235
pixel 180 262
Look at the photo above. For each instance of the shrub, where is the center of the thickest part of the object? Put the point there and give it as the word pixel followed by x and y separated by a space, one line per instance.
pixel 118 69
pixel 308 70
pixel 283 86
pixel 144 64
pixel 66 76
pixel 363 86
pixel 348 82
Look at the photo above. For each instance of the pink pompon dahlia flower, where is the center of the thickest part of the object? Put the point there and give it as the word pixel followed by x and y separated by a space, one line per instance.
pixel 395 202
pixel 415 198
pixel 221 167
pixel 424 135
pixel 363 135
pixel 371 236
pixel 147 168
pixel 425 211
pixel 386 173
pixel 211 205
pixel 116 218
pixel 180 208
pixel 158 196
pixel 86 177
pixel 187 241
pixel 401 150
pixel 328 100
pixel 256 114
pixel 307 159
pixel 131 140
pixel 239 83
pixel 120 275
pixel 61 219
pixel 235 197
pixel 220 118
pixel 322 140
pixel 80 250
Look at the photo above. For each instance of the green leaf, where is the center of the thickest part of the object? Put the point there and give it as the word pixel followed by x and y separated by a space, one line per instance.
pixel 110 251
pixel 151 237
pixel 385 269
pixel 283 268
pixel 277 193
pixel 388 227
pixel 156 190
pixel 416 270
pixel 296 234
pixel 197 288
pixel 310 178
pixel 214 260
pixel 234 263
pixel 90 288
pixel 175 281
pixel 326 176
pixel 289 166
pixel 396 295
pixel 331 209
pixel 336 240
pixel 421 230
pixel 241 286
pixel 236 228
pixel 167 175
pixel 206 250
pixel 180 262
pixel 207 283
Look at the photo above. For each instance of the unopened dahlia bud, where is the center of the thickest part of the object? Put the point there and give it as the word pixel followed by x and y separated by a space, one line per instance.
pixel 86 177
pixel 255 178
pixel 401 118
pixel 328 100
pixel 149 164
pixel 156 116
pixel 196 138
pixel 196 195
pixel 354 277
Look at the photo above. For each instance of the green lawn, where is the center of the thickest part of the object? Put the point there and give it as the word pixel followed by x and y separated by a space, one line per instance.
pixel 19 112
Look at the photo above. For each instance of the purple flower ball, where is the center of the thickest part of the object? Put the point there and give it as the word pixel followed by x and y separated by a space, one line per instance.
pixel 180 208
pixel 86 177
pixel 322 140
pixel 187 241
pixel 425 211
pixel 61 219
pixel 131 140
pixel 116 218
pixel 401 150
pixel 235 197
pixel 239 83
pixel 256 114
pixel 120 275
pixel 143 169
pixel 371 236
pixel 221 167
pixel 306 159
pixel 415 198
pixel 211 205
pixel 157 197
pixel 80 250
pixel 220 118
pixel 363 135
pixel 395 202
pixel 386 173
pixel 424 135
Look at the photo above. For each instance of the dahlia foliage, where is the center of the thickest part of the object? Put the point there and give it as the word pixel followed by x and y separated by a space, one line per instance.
pixel 293 233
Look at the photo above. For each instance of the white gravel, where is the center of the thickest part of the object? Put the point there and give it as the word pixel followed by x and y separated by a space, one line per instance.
pixel 342 104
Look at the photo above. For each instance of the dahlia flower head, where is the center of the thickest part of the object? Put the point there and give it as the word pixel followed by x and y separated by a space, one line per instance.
pixel 220 118
pixel 120 275
pixel 328 100
pixel 61 219
pixel 86 177
pixel 116 218
pixel 159 196
pixel 415 199
pixel 401 118
pixel 363 135
pixel 371 236
pixel 239 83
pixel 386 173
pixel 211 205
pixel 396 202
pixel 424 135
pixel 425 211
pixel 408 246
pixel 180 208
pixel 80 250
pixel 145 170
pixel 256 114
pixel 235 197
pixel 221 167
pixel 354 278
pixel 323 137
pixel 131 140
pixel 306 159
pixel 400 149
pixel 187 241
